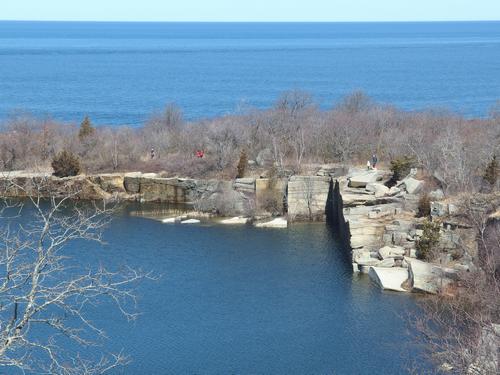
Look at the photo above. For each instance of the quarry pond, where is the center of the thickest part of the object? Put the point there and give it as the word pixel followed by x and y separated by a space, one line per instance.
pixel 245 300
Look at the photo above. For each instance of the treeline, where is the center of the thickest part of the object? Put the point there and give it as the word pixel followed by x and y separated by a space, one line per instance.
pixel 290 136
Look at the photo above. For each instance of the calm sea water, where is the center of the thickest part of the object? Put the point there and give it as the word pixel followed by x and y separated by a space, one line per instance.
pixel 242 300
pixel 119 73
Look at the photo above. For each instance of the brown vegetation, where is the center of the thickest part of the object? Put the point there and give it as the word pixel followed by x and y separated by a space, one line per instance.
pixel 65 164
pixel 461 332
pixel 293 133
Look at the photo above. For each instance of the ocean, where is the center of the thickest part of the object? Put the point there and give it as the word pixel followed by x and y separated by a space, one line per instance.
pixel 121 73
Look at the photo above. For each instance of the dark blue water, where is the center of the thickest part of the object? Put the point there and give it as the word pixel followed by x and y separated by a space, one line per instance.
pixel 249 301
pixel 119 73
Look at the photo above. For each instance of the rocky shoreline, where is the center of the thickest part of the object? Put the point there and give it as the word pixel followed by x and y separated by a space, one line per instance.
pixel 377 223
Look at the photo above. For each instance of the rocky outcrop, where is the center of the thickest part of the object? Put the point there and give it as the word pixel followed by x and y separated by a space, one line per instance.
pixel 21 184
pixel 376 224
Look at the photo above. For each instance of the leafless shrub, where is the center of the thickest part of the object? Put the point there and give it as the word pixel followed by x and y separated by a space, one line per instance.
pixel 45 300
pixel 450 148
pixel 461 331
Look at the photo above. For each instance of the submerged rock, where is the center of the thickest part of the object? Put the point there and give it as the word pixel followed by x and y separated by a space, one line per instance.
pixel 169 220
pixel 279 222
pixel 190 221
pixel 235 220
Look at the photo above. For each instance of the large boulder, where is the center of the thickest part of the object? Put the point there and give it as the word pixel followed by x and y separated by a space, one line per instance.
pixel 411 185
pixel 391 251
pixel 429 278
pixel 352 198
pixel 389 278
pixel 380 190
pixel 359 179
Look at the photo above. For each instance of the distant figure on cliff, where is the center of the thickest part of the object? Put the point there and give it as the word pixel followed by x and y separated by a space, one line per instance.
pixel 374 161
pixel 152 153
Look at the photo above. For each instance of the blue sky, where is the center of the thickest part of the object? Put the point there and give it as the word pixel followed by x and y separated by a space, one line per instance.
pixel 250 10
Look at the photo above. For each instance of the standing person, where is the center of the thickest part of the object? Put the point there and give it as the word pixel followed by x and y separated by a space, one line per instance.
pixel 374 161
pixel 152 153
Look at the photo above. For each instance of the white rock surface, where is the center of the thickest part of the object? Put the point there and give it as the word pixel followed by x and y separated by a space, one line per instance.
pixel 307 196
pixel 394 190
pixel 361 179
pixel 389 278
pixel 368 262
pixel 391 251
pixel 169 220
pixel 279 222
pixel 380 190
pixel 190 221
pixel 235 220
pixel 387 263
pixel 412 186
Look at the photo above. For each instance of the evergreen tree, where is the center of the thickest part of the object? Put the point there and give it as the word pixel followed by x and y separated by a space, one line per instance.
pixel 491 172
pixel 86 129
pixel 66 164
pixel 242 164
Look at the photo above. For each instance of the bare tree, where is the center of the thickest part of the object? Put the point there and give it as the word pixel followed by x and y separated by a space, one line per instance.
pixel 44 297
pixel 461 332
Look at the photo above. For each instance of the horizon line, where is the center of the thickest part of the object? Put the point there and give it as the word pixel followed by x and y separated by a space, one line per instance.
pixel 252 21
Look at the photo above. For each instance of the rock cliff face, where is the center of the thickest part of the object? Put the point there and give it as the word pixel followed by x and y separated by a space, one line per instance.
pixel 307 196
pixel 376 224
pixel 20 185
